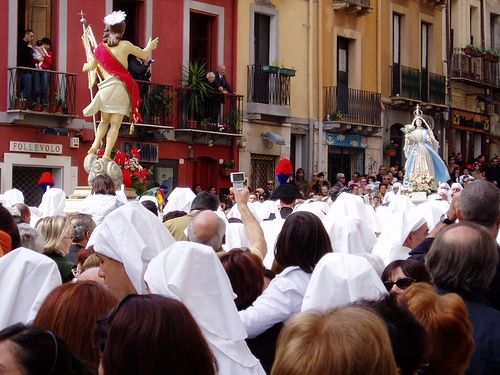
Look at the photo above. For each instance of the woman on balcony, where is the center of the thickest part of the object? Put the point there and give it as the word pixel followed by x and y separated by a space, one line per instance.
pixel 421 153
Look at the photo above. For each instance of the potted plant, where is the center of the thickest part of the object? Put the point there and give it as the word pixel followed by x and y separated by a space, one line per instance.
pixel 233 120
pixel 288 72
pixel 196 89
pixel 473 50
pixel 491 56
pixel 337 116
pixel 156 104
pixel 270 69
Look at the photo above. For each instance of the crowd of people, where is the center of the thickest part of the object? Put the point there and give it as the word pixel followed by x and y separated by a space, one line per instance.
pixel 290 285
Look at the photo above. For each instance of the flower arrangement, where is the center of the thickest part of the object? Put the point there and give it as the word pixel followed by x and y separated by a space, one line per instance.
pixel 421 182
pixel 134 174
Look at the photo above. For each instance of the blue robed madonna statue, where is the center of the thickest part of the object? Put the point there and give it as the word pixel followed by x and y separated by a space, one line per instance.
pixel 421 154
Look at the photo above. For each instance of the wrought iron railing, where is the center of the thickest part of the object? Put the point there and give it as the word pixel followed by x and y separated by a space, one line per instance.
pixel 216 112
pixel 474 68
pixel 41 90
pixel 157 103
pixel 437 89
pixel 363 3
pixel 405 82
pixel 358 106
pixel 268 85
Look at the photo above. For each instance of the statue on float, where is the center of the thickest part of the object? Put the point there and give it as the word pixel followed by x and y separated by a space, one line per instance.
pixel 424 168
pixel 118 93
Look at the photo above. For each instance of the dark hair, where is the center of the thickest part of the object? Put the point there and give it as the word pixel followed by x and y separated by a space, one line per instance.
pixel 71 311
pixel 46 40
pixel 410 267
pixel 480 203
pixel 246 274
pixel 173 214
pixel 8 225
pixel 103 184
pixel 463 258
pixel 205 200
pixel 150 206
pixel 41 352
pixel 302 242
pixel 113 34
pixel 28 31
pixel 401 325
pixel 151 334
pixel 80 224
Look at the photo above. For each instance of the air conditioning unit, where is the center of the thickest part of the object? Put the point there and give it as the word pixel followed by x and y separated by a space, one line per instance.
pixel 74 142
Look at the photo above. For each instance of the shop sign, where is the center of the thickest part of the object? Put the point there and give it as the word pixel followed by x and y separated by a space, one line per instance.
pixel 473 122
pixel 32 147
pixel 346 140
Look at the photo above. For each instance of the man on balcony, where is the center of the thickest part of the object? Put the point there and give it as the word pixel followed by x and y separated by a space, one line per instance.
pixel 25 60
pixel 221 80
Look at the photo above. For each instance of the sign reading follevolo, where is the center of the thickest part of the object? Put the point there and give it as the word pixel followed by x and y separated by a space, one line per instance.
pixel 36 147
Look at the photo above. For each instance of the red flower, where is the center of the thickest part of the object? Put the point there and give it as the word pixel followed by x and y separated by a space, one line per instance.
pixel 127 178
pixel 135 152
pixel 100 152
pixel 120 157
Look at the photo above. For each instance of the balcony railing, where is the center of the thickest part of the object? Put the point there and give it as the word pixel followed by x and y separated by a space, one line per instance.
pixel 475 69
pixel 405 82
pixel 220 113
pixel 268 86
pixel 157 104
pixel 45 91
pixel 356 106
pixel 415 84
pixel 363 3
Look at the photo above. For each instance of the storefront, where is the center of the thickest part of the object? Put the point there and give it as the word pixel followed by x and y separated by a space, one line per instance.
pixel 346 154
pixel 469 134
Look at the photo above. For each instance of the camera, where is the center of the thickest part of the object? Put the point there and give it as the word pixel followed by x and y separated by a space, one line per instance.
pixel 238 179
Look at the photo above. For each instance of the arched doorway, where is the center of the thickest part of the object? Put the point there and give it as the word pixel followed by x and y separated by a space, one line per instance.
pixel 397 138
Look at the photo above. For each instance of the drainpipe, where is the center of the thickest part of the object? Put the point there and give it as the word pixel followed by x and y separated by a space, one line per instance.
pixel 320 92
pixel 310 84
pixel 449 56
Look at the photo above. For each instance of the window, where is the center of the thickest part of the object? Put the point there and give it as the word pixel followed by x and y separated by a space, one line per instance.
pixel 35 15
pixel 396 38
pixel 133 9
pixel 262 34
pixel 203 39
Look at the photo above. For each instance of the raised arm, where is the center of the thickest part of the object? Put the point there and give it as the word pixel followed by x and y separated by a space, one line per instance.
pixel 252 227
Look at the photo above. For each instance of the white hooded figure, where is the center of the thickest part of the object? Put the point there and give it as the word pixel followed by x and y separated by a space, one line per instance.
pixel 407 230
pixel 53 202
pixel 340 279
pixel 100 205
pixel 26 278
pixel 180 199
pixel 348 235
pixel 193 274
pixel 13 196
pixel 129 236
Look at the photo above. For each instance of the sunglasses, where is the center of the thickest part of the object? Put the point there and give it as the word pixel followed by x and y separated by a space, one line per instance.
pixel 402 283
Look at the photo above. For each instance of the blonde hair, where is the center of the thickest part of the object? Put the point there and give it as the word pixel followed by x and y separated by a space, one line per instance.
pixel 446 320
pixel 54 229
pixel 349 340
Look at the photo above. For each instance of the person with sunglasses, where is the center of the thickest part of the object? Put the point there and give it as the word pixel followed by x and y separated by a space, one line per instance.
pixel 400 274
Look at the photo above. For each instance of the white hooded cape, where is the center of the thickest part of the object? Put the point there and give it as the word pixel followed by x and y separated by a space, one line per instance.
pixel 193 274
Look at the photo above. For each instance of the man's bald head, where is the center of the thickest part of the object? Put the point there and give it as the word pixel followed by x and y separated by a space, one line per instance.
pixel 480 203
pixel 208 229
pixel 463 258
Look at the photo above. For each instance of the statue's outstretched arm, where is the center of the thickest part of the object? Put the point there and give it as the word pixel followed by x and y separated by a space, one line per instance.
pixel 408 143
pixel 140 52
pixel 434 142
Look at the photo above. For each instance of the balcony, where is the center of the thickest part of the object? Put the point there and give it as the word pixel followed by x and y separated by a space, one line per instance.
pixel 474 70
pixel 351 110
pixel 411 86
pixel 35 92
pixel 438 3
pixel 218 118
pixel 358 7
pixel 269 91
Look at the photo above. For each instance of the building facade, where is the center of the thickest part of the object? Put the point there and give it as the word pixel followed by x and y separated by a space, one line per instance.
pixel 48 132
